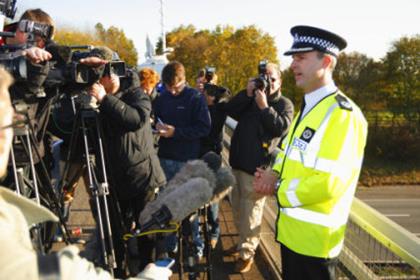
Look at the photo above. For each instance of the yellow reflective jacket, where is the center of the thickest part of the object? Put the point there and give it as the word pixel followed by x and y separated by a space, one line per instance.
pixel 319 167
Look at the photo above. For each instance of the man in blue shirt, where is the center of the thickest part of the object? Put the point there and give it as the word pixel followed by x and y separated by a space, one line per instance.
pixel 182 118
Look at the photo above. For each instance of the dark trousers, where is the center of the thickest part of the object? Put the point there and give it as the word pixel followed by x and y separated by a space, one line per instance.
pixel 300 267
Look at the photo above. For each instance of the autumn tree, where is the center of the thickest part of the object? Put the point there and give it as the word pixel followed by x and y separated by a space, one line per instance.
pixel 112 37
pixel 234 53
pixel 115 39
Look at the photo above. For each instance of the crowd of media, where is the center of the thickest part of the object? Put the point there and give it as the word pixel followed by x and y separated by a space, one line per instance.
pixel 148 150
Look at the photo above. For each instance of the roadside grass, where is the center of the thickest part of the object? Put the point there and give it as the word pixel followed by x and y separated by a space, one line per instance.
pixel 381 173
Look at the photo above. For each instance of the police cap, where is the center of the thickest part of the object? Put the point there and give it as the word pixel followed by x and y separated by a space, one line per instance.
pixel 308 38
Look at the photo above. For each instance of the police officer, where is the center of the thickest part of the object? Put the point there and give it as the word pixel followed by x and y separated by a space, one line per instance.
pixel 315 175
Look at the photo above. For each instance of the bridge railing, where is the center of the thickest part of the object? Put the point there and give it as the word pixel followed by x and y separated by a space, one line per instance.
pixel 375 247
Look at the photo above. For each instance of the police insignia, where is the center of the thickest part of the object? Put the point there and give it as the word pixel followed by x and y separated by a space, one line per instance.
pixel 343 102
pixel 307 134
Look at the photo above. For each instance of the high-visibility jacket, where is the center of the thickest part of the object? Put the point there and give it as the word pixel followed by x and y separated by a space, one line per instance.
pixel 319 167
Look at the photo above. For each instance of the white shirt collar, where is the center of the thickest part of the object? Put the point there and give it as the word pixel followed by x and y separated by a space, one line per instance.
pixel 312 98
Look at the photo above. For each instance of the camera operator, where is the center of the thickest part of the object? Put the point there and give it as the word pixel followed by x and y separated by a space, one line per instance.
pixel 18 259
pixel 134 164
pixel 28 95
pixel 264 116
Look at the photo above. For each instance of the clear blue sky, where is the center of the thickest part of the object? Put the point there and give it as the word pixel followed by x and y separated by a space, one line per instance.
pixel 369 26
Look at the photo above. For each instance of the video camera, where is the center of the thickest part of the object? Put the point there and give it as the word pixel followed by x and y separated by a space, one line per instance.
pixel 15 64
pixel 263 81
pixel 11 56
pixel 70 71
pixel 8 8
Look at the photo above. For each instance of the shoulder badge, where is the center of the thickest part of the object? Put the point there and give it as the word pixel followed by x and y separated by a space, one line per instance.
pixel 307 134
pixel 343 102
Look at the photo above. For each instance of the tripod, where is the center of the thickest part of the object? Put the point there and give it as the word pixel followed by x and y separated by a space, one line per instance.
pixel 87 126
pixel 187 262
pixel 37 182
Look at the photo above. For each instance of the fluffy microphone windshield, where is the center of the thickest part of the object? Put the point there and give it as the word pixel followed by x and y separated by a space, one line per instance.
pixel 192 169
pixel 213 160
pixel 224 183
pixel 182 201
pixel 194 178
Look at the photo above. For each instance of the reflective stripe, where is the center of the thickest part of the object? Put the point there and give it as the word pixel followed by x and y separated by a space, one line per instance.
pixel 337 218
pixel 331 221
pixel 334 252
pixel 291 193
pixel 338 168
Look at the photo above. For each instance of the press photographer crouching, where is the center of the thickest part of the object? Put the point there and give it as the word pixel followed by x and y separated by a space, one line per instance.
pixel 133 162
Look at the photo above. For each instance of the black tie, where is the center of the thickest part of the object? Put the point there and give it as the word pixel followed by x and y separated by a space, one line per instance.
pixel 302 107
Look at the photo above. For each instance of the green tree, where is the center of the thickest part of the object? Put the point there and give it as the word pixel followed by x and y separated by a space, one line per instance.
pixel 402 65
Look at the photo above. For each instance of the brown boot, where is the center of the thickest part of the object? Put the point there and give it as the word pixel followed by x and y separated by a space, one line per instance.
pixel 243 266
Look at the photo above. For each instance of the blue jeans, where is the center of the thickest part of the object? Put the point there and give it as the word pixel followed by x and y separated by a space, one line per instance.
pixel 213 220
pixel 170 168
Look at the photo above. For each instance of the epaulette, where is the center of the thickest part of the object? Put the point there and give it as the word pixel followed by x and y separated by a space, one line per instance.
pixel 343 102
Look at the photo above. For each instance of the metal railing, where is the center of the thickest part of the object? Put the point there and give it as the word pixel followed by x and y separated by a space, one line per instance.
pixel 375 247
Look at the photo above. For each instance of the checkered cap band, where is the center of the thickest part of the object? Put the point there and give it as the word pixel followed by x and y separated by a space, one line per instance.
pixel 324 44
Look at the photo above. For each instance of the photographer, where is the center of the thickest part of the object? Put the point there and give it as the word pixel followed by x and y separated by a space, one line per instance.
pixel 264 116
pixel 133 162
pixel 216 98
pixel 205 76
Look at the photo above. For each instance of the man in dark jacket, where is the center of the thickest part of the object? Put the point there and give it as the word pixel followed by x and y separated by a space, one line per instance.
pixel 263 119
pixel 133 162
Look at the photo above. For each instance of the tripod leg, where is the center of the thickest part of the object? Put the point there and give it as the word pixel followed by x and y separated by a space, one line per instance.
pixel 15 172
pixel 208 249
pixel 105 191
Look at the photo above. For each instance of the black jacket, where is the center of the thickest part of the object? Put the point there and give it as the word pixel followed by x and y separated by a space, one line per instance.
pixel 132 158
pixel 257 128
pixel 213 141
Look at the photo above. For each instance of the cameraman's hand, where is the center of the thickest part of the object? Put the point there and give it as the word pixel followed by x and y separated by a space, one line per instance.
pixel 97 90
pixel 93 61
pixel 261 99
pixel 250 88
pixel 37 55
